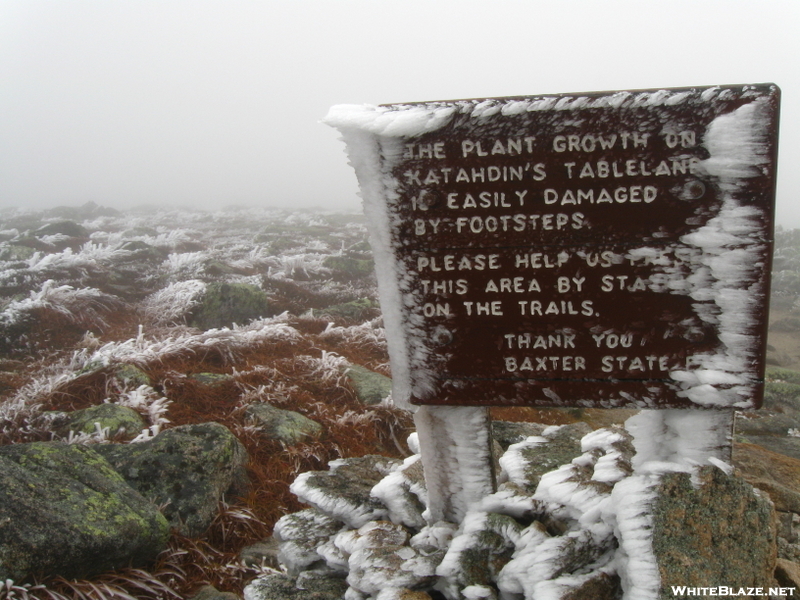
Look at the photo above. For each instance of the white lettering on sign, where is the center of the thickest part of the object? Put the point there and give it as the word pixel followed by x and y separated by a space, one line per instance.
pixel 591 142
pixel 520 222
pixel 445 286
pixel 507 146
pixel 515 285
pixel 538 308
pixel 544 363
pixel 453 262
pixel 431 150
pixel 602 169
pixel 540 260
pixel 545 342
pixel 494 308
pixel 634 363
pixel 633 194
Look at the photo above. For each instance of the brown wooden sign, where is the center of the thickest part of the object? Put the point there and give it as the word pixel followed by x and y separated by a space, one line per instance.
pixel 595 250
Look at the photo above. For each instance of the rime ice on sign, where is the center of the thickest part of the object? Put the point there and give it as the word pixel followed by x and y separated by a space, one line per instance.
pixel 605 249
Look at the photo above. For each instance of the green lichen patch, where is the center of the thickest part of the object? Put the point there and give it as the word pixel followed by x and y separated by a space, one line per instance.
pixel 120 421
pixel 65 511
pixel 224 304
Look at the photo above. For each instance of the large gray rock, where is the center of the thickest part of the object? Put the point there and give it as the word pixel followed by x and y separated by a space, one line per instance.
pixel 300 534
pixel 65 511
pixel 556 446
pixel 225 304
pixel 119 420
pixel 278 586
pixel 209 592
pixel 285 426
pixel 187 470
pixel 65 228
pixel 371 387
pixel 506 433
pixel 483 547
pixel 715 528
pixel 344 491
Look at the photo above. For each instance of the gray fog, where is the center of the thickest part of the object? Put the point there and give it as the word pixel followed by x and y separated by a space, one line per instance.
pixel 213 103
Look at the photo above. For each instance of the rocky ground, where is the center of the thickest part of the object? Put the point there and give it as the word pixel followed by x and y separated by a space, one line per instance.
pixel 166 375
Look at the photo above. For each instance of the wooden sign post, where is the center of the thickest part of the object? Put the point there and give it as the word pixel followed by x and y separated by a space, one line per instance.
pixel 586 250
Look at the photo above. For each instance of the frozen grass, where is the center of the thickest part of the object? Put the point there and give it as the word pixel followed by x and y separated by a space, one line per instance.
pixel 80 335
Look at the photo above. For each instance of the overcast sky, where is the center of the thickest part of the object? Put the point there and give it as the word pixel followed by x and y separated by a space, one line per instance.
pixel 211 103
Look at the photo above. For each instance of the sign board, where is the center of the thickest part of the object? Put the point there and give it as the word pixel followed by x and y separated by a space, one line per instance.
pixel 586 250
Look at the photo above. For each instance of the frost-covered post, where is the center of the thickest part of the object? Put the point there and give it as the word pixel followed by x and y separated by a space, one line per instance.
pixel 598 250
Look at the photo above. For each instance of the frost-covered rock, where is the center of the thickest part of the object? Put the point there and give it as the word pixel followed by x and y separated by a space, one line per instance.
pixel 224 304
pixel 118 421
pixel 370 387
pixel 379 558
pixel 344 491
pixel 65 228
pixel 300 535
pixel 277 586
pixel 582 485
pixel 506 433
pixel 571 520
pixel 685 527
pixel 209 592
pixel 186 469
pixel 263 553
pixel 528 460
pixel 476 556
pixel 403 493
pixel 65 511
pixel 284 426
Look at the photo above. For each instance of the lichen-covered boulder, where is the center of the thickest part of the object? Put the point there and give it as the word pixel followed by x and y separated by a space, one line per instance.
pixel 528 460
pixel 120 421
pixel 678 528
pixel 131 376
pixel 356 311
pixel 286 426
pixel 378 558
pixel 789 536
pixel 404 494
pixel 506 433
pixel 65 228
pixel 344 491
pixel 209 592
pixel 224 304
pixel 483 547
pixel 299 536
pixel 277 586
pixel 65 511
pixel 188 470
pixel 263 553
pixel 211 380
pixel 370 387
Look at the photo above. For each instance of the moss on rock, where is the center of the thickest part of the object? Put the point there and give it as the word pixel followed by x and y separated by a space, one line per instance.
pixel 120 421
pixel 189 469
pixel 65 511
pixel 224 304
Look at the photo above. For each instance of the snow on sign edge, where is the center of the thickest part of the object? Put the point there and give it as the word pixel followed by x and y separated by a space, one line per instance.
pixel 738 145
